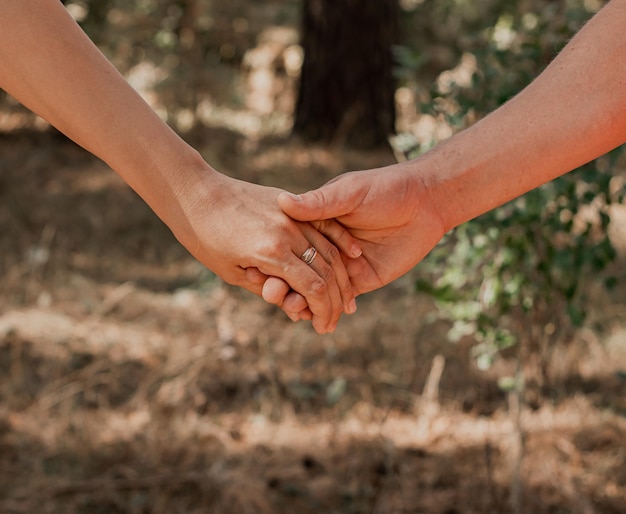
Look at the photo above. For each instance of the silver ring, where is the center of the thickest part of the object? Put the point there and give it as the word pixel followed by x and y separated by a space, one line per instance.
pixel 309 255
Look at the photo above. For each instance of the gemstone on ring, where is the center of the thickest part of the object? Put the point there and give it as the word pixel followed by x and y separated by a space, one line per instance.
pixel 309 255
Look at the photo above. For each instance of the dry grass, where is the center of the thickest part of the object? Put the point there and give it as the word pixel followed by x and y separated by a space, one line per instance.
pixel 132 381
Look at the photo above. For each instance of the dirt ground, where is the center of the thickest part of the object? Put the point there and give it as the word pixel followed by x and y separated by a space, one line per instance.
pixel 133 381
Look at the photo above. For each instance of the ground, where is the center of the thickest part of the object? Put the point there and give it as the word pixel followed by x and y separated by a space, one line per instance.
pixel 134 381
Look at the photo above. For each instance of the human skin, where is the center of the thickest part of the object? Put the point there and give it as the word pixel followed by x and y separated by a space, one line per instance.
pixel 233 227
pixel 570 114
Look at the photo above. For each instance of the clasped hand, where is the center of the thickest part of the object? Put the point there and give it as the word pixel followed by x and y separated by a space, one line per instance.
pixel 386 212
pixel 238 230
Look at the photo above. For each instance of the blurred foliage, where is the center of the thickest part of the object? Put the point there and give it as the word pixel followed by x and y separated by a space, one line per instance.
pixel 521 273
pixel 528 265
pixel 168 48
pixel 178 53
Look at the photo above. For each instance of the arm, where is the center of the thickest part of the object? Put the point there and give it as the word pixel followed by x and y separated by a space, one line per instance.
pixel 50 65
pixel 572 113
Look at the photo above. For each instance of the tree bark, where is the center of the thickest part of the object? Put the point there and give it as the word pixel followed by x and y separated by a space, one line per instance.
pixel 347 88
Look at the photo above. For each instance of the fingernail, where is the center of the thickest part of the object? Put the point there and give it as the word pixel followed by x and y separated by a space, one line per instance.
pixel 352 306
pixel 292 316
pixel 356 250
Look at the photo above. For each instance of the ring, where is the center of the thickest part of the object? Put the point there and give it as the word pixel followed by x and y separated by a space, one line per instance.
pixel 309 255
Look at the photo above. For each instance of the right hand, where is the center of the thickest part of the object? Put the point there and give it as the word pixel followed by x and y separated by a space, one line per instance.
pixel 389 213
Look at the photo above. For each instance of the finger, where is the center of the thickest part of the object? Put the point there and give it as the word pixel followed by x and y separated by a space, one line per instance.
pixel 303 315
pixel 255 276
pixel 337 234
pixel 295 306
pixel 330 201
pixel 332 258
pixel 295 302
pixel 248 278
pixel 317 282
pixel 275 290
pixel 315 285
pixel 300 315
pixel 325 270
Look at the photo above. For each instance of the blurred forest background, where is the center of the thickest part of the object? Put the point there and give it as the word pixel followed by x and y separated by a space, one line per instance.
pixel 490 379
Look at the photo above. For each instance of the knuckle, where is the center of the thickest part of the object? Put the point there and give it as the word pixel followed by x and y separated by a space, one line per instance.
pixel 327 274
pixel 318 288
pixel 318 196
pixel 332 255
pixel 322 226
pixel 273 249
pixel 346 288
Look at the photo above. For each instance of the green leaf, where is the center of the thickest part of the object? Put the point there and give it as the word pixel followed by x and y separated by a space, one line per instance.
pixel 335 390
pixel 576 315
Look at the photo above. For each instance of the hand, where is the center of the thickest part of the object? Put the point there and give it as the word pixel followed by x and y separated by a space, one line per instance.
pixel 237 230
pixel 387 210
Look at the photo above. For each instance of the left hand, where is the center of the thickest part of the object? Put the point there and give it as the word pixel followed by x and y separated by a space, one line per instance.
pixel 238 230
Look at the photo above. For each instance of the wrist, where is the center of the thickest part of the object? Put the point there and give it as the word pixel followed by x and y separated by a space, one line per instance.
pixel 429 188
pixel 175 187
pixel 460 179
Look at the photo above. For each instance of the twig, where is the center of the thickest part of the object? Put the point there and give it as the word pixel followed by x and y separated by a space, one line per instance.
pixel 431 388
pixel 515 411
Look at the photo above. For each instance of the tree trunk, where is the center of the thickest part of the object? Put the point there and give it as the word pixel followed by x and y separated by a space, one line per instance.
pixel 347 88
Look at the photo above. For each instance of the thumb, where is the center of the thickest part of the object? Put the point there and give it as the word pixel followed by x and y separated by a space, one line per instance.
pixel 329 201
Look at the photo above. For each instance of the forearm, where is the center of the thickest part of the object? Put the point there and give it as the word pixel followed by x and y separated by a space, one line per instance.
pixel 49 64
pixel 572 113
